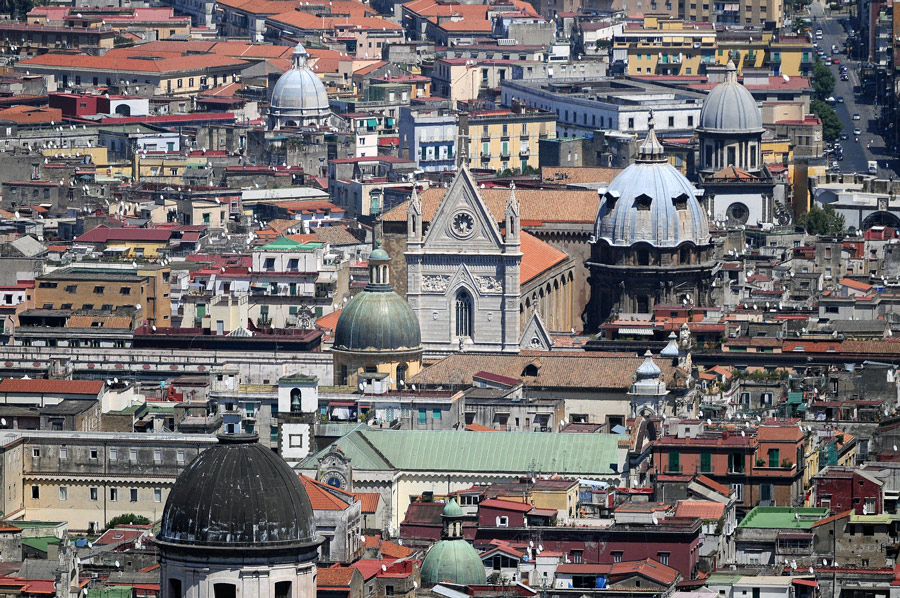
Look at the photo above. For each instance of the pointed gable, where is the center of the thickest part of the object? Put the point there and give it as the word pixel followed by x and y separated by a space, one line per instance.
pixel 535 336
pixel 463 222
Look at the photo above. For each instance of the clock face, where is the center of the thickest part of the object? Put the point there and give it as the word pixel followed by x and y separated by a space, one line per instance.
pixel 463 225
pixel 335 480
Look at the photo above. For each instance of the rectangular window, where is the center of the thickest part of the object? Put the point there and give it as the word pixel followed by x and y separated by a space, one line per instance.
pixel 179 456
pixel 63 452
pixel 72 288
pixel 94 453
pixel 132 455
pixel 125 291
pixel 113 494
pixel 705 462
pixel 423 416
pixel 113 454
pixel 35 492
pixel 157 495
pixel 35 452
pixel 157 456
pixel 98 290
pixel 133 494
pixel 436 414
pixel 663 557
pixel 735 463
pixel 63 493
pixel 617 557
pixel 94 493
pixel 674 461
pixel 774 459
pixel 738 491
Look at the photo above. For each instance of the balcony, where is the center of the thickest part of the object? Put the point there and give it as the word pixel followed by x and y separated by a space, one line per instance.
pixel 524 151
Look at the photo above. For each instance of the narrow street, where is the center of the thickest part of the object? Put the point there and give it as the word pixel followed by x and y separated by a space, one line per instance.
pixel 871 146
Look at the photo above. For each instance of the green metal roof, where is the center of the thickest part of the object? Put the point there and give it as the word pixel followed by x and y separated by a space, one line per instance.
pixel 41 543
pixel 452 451
pixel 112 592
pixel 783 517
pixel 286 244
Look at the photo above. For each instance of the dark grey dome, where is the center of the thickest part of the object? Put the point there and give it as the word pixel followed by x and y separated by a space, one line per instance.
pixel 238 494
pixel 377 319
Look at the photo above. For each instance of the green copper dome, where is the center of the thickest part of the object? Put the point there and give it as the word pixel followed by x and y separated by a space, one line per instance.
pixel 452 509
pixel 377 319
pixel 455 561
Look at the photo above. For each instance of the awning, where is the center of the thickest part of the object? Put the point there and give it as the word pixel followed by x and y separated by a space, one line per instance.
pixel 806 582
pixel 636 331
pixel 115 250
pixel 372 122
pixel 327 276
pixel 341 403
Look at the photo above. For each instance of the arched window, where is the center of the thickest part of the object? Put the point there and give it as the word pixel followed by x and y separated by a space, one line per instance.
pixel 401 375
pixel 295 399
pixel 463 314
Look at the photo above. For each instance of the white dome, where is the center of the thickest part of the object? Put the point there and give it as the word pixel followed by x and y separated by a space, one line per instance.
pixel 652 202
pixel 729 107
pixel 299 92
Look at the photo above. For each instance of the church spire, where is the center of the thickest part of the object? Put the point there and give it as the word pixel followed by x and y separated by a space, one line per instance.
pixel 414 217
pixel 513 216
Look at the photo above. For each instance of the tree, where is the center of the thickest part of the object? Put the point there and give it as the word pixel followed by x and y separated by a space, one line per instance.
pixel 831 123
pixel 822 221
pixel 127 519
pixel 822 81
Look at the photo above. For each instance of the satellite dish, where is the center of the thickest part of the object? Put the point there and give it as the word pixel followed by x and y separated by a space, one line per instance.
pixel 415 585
pixel 117 564
pixel 708 422
pixel 743 434
pixel 531 543
pixel 400 541
pixel 361 386
pixel 384 567
pixel 413 387
pixel 2 421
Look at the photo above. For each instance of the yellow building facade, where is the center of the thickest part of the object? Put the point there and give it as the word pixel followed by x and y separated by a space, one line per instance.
pixel 502 139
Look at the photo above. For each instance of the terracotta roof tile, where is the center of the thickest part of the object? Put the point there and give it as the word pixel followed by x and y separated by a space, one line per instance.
pixel 106 322
pixel 537 257
pixel 537 205
pixel 573 176
pixel 648 568
pixel 713 485
pixel 118 62
pixel 322 499
pixel 369 501
pixel 703 509
pixel 556 370
pixel 71 387
pixel 334 577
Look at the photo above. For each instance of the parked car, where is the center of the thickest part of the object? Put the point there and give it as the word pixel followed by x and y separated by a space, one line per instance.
pixel 857 131
pixel 856 116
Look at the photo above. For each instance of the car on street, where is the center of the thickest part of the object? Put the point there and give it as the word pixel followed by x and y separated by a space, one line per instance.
pixel 845 77
pixel 835 61
pixel 856 116
pixel 844 135
pixel 840 99
pixel 828 62
pixel 857 132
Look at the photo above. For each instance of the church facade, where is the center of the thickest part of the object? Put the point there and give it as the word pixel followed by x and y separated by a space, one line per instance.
pixel 463 275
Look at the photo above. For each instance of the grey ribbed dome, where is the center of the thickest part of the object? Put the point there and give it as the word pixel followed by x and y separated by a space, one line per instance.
pixel 652 202
pixel 729 107
pixel 238 494
pixel 299 91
